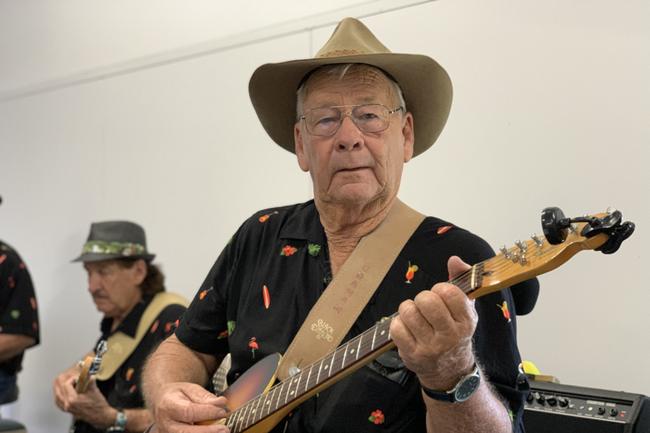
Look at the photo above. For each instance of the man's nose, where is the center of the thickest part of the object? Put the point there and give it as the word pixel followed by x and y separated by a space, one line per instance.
pixel 94 282
pixel 349 136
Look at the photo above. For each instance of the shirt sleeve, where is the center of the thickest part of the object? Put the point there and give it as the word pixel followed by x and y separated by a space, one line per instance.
pixel 18 307
pixel 205 326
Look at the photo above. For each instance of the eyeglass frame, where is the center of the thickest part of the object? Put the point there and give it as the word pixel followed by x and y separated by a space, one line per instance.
pixel 348 113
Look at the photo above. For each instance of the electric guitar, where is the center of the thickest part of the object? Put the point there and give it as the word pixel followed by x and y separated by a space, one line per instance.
pixel 256 405
pixel 89 367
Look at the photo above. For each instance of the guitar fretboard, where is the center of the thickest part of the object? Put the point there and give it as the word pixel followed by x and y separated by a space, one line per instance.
pixel 355 351
pixel 313 375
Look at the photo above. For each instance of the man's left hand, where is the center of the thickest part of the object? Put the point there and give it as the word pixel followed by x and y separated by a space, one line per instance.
pixel 433 332
pixel 92 407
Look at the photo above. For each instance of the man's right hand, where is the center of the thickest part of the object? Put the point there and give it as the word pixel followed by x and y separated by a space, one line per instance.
pixel 63 387
pixel 188 408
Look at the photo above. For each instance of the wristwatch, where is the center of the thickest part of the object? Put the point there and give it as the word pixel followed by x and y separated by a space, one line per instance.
pixel 463 390
pixel 120 422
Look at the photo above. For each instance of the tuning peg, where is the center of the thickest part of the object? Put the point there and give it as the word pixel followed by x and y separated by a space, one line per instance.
pixel 537 240
pixel 505 252
pixel 522 246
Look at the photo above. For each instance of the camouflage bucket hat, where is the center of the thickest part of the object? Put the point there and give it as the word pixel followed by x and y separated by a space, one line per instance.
pixel 110 240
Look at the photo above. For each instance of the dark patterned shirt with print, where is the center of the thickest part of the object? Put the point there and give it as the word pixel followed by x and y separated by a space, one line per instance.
pixel 18 308
pixel 273 270
pixel 123 390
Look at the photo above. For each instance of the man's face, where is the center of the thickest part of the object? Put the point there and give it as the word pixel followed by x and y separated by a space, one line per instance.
pixel 114 288
pixel 353 167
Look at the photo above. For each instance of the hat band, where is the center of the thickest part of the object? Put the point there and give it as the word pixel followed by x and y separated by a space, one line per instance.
pixel 125 249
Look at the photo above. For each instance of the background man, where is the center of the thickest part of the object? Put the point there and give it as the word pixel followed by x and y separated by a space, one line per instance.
pixel 124 285
pixel 360 114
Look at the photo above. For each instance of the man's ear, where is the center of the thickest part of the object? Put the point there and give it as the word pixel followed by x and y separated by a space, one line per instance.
pixel 140 271
pixel 303 159
pixel 409 136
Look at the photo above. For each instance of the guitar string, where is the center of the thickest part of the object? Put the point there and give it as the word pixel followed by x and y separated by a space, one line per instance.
pixel 501 263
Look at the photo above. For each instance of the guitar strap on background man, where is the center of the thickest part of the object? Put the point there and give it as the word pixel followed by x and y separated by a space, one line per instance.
pixel 337 309
pixel 120 346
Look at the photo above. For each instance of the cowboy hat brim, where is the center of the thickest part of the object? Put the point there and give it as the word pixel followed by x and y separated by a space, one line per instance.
pixel 426 87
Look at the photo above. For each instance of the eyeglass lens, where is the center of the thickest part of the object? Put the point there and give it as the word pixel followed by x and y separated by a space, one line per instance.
pixel 326 121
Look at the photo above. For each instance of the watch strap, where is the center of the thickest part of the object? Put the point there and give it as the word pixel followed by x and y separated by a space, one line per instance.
pixel 120 422
pixel 451 395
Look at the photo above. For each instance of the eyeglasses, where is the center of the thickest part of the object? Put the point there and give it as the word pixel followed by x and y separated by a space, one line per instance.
pixel 325 121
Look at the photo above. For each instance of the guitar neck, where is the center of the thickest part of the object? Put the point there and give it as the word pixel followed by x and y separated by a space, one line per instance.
pixel 511 266
pixel 319 375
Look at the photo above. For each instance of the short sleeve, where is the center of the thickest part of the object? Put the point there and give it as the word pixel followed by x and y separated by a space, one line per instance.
pixel 205 327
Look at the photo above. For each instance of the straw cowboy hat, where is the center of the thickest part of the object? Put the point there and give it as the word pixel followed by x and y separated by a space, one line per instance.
pixel 425 84
pixel 109 240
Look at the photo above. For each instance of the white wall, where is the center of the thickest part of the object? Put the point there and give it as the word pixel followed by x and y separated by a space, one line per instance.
pixel 552 102
pixel 46 40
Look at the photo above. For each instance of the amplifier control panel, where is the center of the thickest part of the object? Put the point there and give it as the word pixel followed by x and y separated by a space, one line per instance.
pixel 603 405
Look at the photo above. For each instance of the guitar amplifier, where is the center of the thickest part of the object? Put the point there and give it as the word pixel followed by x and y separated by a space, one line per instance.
pixel 557 408
pixel 8 426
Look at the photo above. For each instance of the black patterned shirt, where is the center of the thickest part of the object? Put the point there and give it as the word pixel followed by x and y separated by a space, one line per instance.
pixel 18 308
pixel 123 390
pixel 264 283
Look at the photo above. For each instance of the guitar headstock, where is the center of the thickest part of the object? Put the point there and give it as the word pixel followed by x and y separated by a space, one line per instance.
pixel 563 238
pixel 90 366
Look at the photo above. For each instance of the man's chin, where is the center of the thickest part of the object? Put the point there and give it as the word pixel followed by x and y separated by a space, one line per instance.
pixel 355 195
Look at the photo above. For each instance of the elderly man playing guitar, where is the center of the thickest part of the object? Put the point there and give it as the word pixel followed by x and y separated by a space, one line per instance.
pixel 359 114
pixel 103 392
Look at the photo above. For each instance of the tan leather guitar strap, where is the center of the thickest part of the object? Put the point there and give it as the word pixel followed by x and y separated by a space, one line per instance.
pixel 120 346
pixel 337 309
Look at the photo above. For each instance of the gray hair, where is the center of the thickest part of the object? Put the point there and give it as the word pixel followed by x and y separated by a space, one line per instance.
pixel 339 71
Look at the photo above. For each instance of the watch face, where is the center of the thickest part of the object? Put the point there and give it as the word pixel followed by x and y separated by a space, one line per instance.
pixel 467 388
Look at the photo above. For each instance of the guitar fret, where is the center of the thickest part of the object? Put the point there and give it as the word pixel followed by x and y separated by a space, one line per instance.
pixel 230 420
pixel 345 353
pixel 359 345
pixel 341 364
pixel 320 367
pixel 331 365
pixel 384 335
pixel 238 423
pixel 266 404
pixel 247 409
pixel 285 391
pixel 255 405
pixel 278 391
pixel 307 381
pixel 298 384
pixel 286 397
pixel 374 335
pixel 258 410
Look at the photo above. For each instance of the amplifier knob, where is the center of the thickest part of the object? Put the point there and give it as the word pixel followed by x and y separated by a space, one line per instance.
pixel 551 400
pixel 613 412
pixel 530 397
pixel 601 411
pixel 563 402
pixel 540 398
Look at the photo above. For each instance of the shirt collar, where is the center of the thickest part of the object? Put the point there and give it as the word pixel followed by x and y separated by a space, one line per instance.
pixel 129 325
pixel 304 224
